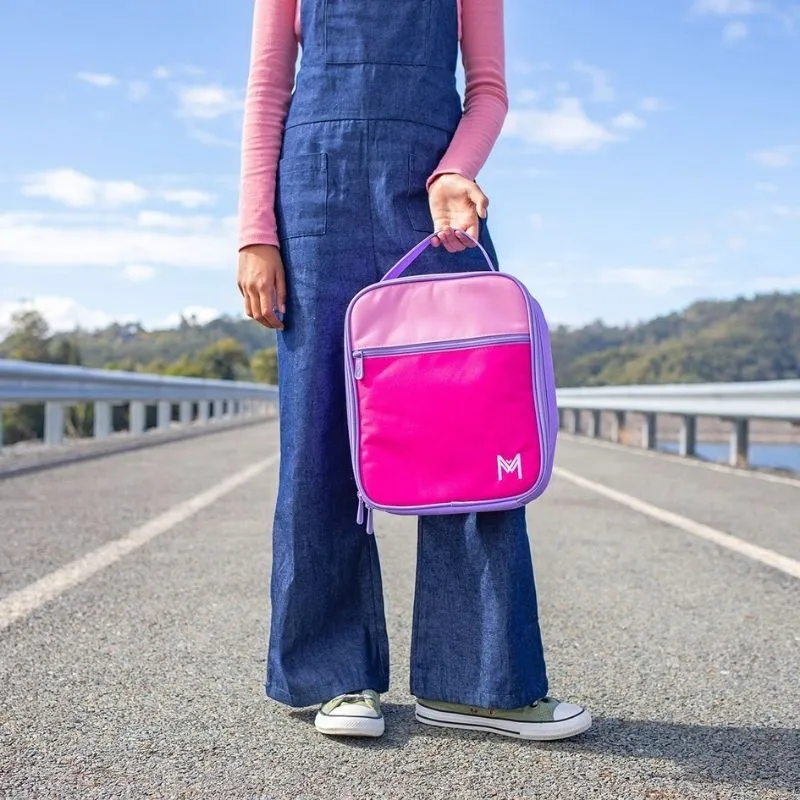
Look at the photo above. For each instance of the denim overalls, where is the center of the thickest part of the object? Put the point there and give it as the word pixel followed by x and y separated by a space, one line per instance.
pixel 374 109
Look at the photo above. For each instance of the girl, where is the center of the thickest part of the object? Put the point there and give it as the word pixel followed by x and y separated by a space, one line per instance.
pixel 369 154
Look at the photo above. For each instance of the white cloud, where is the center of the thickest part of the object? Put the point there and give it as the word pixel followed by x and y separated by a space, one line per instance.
pixel 777 283
pixel 100 79
pixel 208 101
pixel 536 220
pixel 200 314
pixel 650 280
pixel 162 73
pixel 160 219
pixel 602 90
pixel 139 273
pixel 188 198
pixel 737 243
pixel 651 104
pixel 628 122
pixel 66 314
pixel 61 313
pixel 46 242
pixel 138 90
pixel 692 262
pixel 786 212
pixel 528 96
pixel 777 156
pixel 525 67
pixel 735 32
pixel 730 8
pixel 77 190
pixel 762 186
pixel 565 128
pixel 212 140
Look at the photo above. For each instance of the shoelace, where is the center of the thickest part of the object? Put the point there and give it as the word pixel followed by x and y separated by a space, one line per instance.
pixel 354 698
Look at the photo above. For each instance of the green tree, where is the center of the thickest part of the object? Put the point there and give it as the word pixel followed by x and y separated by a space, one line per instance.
pixel 225 360
pixel 264 366
pixel 29 337
pixel 28 341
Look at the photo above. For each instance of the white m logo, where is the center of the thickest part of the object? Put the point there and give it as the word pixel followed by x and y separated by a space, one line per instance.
pixel 507 467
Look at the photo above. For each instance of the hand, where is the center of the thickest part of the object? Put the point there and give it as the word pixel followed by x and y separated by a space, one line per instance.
pixel 262 282
pixel 456 205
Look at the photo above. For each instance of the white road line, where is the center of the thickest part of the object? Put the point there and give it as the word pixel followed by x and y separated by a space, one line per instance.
pixel 761 554
pixel 685 462
pixel 19 604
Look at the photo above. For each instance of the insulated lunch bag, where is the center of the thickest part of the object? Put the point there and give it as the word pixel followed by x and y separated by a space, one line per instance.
pixel 450 392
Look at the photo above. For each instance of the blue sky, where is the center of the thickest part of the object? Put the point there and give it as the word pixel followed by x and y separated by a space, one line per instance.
pixel 651 156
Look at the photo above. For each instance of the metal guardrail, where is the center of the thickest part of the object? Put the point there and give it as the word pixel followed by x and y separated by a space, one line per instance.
pixel 58 387
pixel 737 403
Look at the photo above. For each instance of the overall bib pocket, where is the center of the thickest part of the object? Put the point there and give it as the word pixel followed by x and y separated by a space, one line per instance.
pixel 301 197
pixel 357 33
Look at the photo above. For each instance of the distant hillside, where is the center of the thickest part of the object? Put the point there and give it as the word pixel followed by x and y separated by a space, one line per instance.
pixel 736 340
pixel 124 343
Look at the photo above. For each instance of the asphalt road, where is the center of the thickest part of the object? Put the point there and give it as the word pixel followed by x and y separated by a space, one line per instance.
pixel 137 672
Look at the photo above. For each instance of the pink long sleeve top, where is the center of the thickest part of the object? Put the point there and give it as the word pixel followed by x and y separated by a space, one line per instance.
pixel 276 36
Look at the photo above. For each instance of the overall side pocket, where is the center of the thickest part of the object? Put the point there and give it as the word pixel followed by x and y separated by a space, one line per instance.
pixel 419 210
pixel 301 196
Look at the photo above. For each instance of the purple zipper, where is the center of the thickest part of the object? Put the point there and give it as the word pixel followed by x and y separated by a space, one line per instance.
pixel 537 326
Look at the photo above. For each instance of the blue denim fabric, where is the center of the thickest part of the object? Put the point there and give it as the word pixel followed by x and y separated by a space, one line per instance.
pixel 374 109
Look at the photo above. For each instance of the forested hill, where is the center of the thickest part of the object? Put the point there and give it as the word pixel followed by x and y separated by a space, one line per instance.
pixel 124 345
pixel 738 340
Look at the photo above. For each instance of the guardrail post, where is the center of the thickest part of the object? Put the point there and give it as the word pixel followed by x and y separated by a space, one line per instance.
pixel 561 419
pixel 650 431
pixel 594 425
pixel 163 414
pixel 185 412
pixel 618 427
pixel 217 409
pixel 688 440
pixel 203 410
pixel 136 420
pixel 575 421
pixel 740 443
pixel 233 408
pixel 102 419
pixel 53 423
pixel 1 430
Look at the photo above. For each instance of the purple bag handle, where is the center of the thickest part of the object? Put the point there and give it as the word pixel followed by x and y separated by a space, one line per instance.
pixel 411 256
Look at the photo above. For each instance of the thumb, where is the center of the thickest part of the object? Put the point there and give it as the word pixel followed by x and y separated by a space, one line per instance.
pixel 479 200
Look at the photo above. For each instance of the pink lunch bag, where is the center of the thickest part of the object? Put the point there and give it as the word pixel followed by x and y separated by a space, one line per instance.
pixel 450 393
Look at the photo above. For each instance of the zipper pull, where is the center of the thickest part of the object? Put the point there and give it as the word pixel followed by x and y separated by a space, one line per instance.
pixel 360 515
pixel 370 523
pixel 359 365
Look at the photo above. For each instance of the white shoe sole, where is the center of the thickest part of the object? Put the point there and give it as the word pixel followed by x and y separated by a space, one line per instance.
pixel 334 725
pixel 535 731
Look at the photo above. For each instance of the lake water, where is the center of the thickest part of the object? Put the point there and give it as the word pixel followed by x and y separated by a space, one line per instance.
pixel 776 456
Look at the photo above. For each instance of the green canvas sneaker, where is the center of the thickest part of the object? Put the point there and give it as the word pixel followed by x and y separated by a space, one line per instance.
pixel 356 714
pixel 543 720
